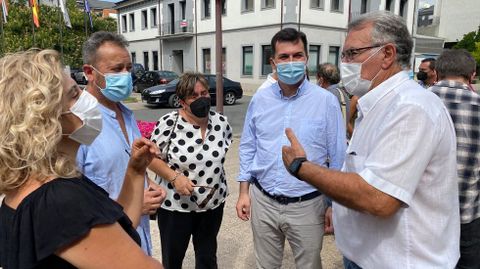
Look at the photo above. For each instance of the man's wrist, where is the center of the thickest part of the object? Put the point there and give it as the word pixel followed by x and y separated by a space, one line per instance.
pixel 295 166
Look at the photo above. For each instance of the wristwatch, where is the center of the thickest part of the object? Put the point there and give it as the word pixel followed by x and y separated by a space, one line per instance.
pixel 294 167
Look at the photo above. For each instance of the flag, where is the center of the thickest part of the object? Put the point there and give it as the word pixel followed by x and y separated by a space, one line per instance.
pixel 4 10
pixel 66 17
pixel 35 12
pixel 87 10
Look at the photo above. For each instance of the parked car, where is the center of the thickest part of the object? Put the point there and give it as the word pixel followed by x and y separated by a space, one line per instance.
pixel 152 78
pixel 165 94
pixel 80 77
pixel 137 71
pixel 73 71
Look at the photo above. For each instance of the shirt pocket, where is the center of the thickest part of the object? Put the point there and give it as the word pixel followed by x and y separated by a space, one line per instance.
pixel 354 162
pixel 312 133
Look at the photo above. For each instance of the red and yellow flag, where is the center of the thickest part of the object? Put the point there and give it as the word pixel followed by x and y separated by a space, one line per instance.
pixel 35 12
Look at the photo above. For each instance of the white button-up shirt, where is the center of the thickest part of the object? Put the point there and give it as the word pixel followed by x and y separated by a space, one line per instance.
pixel 403 145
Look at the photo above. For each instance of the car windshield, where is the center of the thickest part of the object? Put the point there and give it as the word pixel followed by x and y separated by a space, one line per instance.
pixel 173 82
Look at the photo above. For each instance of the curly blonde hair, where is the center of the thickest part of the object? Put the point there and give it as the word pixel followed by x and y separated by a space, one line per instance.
pixel 31 93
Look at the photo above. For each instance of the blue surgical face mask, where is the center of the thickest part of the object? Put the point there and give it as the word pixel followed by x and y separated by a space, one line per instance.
pixel 118 86
pixel 291 73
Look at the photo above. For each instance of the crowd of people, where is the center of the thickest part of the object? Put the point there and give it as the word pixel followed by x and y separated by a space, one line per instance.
pixel 387 164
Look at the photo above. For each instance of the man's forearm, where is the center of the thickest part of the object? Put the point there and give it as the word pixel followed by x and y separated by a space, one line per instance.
pixel 349 189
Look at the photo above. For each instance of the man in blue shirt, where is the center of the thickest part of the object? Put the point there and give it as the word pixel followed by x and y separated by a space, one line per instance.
pixel 281 206
pixel 107 66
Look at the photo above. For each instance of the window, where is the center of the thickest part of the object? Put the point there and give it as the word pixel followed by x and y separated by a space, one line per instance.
pixel 224 60
pixel 155 59
pixel 316 4
pixel 363 6
pixel 333 52
pixel 153 17
pixel 132 21
pixel 134 57
pixel 268 3
pixel 224 7
pixel 124 23
pixel 207 61
pixel 247 63
pixel 182 9
pixel 389 5
pixel 144 19
pixel 266 55
pixel 403 8
pixel 336 5
pixel 145 60
pixel 247 5
pixel 206 9
pixel 313 59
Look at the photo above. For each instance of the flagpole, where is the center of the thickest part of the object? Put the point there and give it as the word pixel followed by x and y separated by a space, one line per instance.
pixel 85 18
pixel 61 27
pixel 33 32
pixel 3 35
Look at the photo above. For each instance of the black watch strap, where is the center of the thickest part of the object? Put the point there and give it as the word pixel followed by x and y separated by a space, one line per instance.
pixel 294 167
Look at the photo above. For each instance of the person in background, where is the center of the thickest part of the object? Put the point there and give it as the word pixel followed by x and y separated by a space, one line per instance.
pixel 281 207
pixel 455 69
pixel 396 199
pixel 427 76
pixel 194 141
pixel 52 216
pixel 328 77
pixel 352 115
pixel 107 67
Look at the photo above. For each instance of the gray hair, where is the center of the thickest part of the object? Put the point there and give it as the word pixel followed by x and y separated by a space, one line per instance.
pixel 96 40
pixel 387 28
pixel 329 72
pixel 455 62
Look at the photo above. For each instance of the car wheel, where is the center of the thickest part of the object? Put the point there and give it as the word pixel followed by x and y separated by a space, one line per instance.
pixel 229 98
pixel 174 101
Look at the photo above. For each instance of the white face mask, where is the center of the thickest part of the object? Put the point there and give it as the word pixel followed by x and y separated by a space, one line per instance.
pixel 351 77
pixel 86 109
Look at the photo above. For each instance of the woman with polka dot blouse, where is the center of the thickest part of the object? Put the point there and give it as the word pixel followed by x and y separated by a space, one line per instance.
pixel 193 143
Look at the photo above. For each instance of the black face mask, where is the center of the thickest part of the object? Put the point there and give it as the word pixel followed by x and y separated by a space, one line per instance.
pixel 422 76
pixel 200 107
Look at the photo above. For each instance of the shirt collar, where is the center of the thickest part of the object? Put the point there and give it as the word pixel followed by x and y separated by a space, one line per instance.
pixel 112 113
pixel 300 91
pixel 368 101
pixel 452 84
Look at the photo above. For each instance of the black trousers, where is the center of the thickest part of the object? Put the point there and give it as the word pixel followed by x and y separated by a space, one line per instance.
pixel 176 228
pixel 469 245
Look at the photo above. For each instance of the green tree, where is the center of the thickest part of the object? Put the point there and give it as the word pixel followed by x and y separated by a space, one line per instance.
pixel 468 41
pixel 18 31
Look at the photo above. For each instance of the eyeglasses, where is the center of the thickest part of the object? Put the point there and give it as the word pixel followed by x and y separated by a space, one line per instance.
pixel 208 198
pixel 350 54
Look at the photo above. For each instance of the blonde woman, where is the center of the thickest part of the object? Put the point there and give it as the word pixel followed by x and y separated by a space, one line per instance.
pixel 52 216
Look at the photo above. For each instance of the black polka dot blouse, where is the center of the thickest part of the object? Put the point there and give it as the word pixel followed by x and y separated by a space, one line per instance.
pixel 199 160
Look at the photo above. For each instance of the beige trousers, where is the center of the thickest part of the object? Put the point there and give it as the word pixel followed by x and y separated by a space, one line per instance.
pixel 300 223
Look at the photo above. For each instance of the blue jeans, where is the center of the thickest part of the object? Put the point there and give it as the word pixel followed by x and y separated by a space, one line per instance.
pixel 469 245
pixel 348 264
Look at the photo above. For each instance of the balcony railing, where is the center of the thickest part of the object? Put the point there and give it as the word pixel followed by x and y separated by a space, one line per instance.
pixel 178 27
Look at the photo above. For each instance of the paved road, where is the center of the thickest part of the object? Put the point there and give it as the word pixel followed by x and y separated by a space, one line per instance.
pixel 235 113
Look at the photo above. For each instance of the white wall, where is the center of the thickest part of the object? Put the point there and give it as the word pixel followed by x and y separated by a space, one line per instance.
pixel 458 17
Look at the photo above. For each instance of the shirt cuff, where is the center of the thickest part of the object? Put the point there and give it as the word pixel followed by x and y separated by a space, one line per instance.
pixel 244 177
pixel 386 186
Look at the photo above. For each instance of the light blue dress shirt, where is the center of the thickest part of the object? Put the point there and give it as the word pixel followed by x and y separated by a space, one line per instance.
pixel 105 161
pixel 315 117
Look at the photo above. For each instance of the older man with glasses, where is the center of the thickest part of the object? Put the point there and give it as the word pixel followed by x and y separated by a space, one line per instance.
pixel 395 201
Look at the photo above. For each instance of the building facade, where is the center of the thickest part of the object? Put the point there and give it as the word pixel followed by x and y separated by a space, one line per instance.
pixel 179 35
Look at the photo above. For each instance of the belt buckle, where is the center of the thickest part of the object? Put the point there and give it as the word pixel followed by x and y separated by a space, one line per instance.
pixel 282 200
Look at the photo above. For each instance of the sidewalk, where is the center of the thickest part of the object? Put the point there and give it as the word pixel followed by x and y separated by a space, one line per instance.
pixel 235 243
